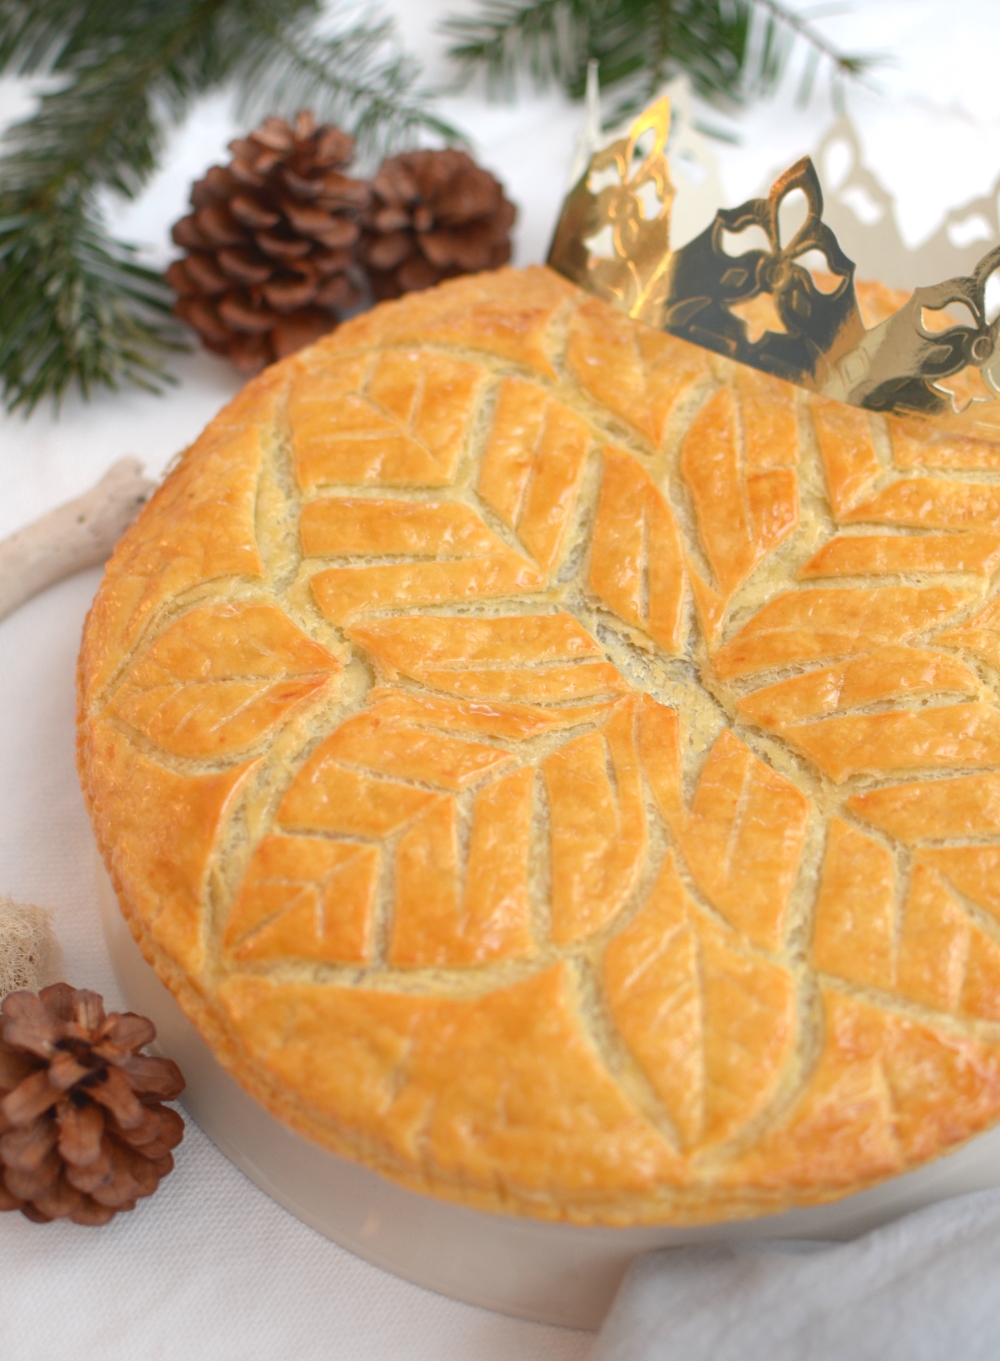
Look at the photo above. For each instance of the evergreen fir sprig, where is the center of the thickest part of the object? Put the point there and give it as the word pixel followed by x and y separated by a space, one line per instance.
pixel 351 77
pixel 731 49
pixel 77 307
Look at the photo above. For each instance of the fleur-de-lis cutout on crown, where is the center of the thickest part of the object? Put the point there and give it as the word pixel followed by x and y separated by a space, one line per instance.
pixel 902 363
pixel 634 277
pixel 816 336
pixel 707 281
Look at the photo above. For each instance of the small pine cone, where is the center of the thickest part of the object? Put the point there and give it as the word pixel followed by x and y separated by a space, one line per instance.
pixel 434 215
pixel 83 1133
pixel 271 244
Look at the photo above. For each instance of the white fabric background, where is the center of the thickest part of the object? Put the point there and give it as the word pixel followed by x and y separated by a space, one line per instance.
pixel 212 1268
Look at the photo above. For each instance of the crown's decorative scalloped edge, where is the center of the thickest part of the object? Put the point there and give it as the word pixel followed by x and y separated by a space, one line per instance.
pixel 936 357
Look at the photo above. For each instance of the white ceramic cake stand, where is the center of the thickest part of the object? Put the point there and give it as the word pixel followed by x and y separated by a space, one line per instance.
pixel 549 1273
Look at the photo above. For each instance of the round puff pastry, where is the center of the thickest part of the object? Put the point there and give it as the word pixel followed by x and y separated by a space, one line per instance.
pixel 561 769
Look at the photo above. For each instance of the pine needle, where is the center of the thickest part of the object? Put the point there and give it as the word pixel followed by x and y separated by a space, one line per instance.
pixel 731 49
pixel 78 308
pixel 355 77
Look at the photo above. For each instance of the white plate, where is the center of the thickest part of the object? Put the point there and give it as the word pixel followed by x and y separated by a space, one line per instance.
pixel 550 1273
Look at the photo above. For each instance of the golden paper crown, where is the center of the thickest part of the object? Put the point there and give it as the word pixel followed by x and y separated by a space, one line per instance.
pixel 608 242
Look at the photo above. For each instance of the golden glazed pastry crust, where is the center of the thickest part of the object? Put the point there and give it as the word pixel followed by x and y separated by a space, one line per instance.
pixel 560 769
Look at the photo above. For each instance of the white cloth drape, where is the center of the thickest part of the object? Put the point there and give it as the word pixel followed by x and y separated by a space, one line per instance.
pixel 926 1288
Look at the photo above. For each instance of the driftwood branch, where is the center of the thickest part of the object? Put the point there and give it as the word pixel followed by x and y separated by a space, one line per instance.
pixel 79 534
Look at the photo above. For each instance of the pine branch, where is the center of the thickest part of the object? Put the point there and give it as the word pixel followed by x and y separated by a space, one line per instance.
pixel 77 307
pixel 46 35
pixel 845 63
pixel 549 37
pixel 97 129
pixel 354 77
pixel 640 44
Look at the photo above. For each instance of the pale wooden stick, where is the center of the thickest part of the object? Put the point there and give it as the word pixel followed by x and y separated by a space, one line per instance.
pixel 79 534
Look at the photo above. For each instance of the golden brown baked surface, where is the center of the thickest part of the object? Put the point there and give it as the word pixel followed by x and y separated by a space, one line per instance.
pixel 560 769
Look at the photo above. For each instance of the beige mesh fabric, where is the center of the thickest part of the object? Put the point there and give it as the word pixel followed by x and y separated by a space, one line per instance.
pixel 28 950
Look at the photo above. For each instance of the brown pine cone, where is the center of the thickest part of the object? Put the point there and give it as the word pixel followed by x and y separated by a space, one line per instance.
pixel 83 1133
pixel 434 215
pixel 271 244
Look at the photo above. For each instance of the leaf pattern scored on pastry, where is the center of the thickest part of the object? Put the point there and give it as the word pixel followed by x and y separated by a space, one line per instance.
pixel 636 556
pixel 532 465
pixel 400 420
pixel 436 551
pixel 587 799
pixel 221 677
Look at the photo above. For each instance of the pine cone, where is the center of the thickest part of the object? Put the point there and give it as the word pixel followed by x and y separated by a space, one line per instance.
pixel 271 243
pixel 434 215
pixel 82 1132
